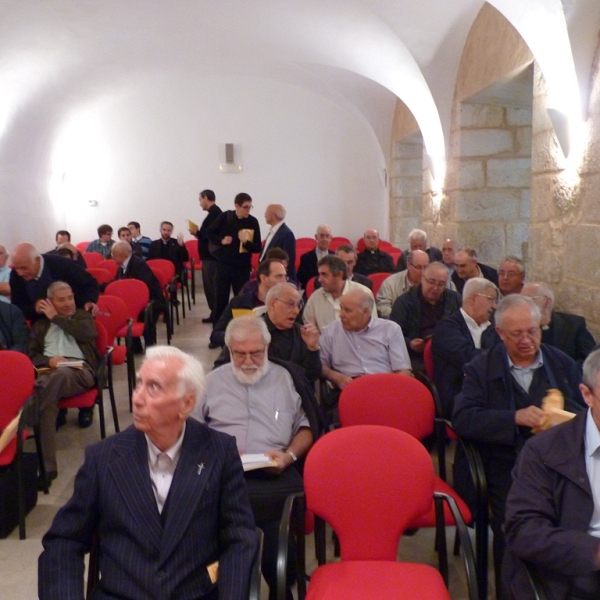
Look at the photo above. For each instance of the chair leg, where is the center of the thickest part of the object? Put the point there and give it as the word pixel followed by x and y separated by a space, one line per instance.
pixel 183 300
pixel 100 403
pixel 299 520
pixel 130 371
pixel 320 541
pixel 20 486
pixel 440 538
pixel 111 394
pixel 194 286
pixel 40 455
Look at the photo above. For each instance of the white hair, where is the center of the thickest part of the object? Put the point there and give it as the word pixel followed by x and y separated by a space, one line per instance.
pixel 242 328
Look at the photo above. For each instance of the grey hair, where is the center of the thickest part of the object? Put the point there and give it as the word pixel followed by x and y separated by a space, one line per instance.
pixel 56 286
pixel 544 290
pixel 277 289
pixel 591 368
pixel 513 301
pixel 477 285
pixel 436 264
pixel 511 258
pixel 243 327
pixel 417 234
pixel 323 226
pixel 190 376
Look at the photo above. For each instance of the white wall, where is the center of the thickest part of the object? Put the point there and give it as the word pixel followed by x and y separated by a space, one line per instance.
pixel 144 149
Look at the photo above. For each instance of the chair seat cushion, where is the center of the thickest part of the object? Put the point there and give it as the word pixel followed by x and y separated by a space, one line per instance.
pixel 428 519
pixel 84 400
pixel 119 355
pixel 376 580
pixel 137 330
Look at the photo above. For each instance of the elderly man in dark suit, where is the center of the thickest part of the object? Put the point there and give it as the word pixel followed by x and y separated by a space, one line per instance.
pixel 33 272
pixel 166 497
pixel 460 337
pixel 135 267
pixel 501 398
pixel 566 332
pixel 280 236
pixel 467 266
pixel 309 260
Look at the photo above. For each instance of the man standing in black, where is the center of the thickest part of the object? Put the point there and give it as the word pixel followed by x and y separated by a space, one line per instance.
pixel 236 235
pixel 209 262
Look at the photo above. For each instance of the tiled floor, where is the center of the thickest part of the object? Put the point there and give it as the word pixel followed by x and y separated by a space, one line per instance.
pixel 18 558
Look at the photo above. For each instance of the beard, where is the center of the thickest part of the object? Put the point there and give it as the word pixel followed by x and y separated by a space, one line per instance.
pixel 250 375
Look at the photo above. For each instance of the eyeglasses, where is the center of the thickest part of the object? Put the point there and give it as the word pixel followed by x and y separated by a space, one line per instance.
pixel 509 274
pixel 247 206
pixel 530 334
pixel 490 298
pixel 437 284
pixel 290 304
pixel 253 356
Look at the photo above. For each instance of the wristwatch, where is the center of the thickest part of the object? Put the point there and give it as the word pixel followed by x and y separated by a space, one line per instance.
pixel 294 457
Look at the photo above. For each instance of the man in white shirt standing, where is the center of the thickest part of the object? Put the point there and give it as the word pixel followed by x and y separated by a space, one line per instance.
pixel 553 508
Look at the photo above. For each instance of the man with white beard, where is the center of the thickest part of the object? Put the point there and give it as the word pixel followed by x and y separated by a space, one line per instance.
pixel 255 401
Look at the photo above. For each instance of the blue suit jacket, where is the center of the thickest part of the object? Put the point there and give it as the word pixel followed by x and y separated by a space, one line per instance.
pixel 286 240
pixel 208 518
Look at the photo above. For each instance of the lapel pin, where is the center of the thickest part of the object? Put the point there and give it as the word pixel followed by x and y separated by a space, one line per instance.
pixel 200 468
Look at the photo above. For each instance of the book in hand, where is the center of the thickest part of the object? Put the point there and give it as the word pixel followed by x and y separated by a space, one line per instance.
pixel 257 461
pixel 250 234
pixel 73 364
pixel 244 312
pixel 193 227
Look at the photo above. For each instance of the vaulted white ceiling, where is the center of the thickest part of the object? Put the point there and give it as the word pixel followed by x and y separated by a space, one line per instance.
pixel 360 53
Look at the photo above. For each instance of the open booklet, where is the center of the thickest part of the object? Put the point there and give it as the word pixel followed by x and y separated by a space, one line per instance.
pixel 553 407
pixel 74 364
pixel 244 312
pixel 257 461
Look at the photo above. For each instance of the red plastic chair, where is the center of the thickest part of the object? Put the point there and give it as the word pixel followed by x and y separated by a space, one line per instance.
pixel 338 241
pixel 193 265
pixel 169 267
pixel 113 315
pixel 428 359
pixel 94 395
pixel 401 402
pixel 92 259
pixel 136 296
pixel 165 280
pixel 17 380
pixel 102 276
pixel 378 279
pixel 82 246
pixel 383 246
pixel 370 502
pixel 310 287
pixel 109 265
pixel 395 256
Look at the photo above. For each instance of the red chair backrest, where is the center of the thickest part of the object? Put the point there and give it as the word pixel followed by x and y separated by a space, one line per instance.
pixel 338 241
pixel 17 378
pixel 163 275
pixel 92 259
pixel 100 275
pixel 389 399
pixel 306 244
pixel 112 314
pixel 109 265
pixel 133 292
pixel 396 255
pixel 192 248
pixel 101 337
pixel 383 246
pixel 164 264
pixel 310 287
pixel 82 246
pixel 369 483
pixel 378 279
pixel 428 359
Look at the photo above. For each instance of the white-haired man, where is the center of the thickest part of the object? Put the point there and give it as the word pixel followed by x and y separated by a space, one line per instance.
pixel 166 497
pixel 417 240
pixel 255 401
pixel 501 398
pixel 280 236
pixel 564 331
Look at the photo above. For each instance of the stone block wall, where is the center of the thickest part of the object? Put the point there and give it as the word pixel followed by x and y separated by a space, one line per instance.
pixel 489 180
pixel 406 188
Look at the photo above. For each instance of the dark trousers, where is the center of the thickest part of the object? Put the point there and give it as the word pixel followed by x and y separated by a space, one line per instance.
pixel 228 277
pixel 267 497
pixel 209 273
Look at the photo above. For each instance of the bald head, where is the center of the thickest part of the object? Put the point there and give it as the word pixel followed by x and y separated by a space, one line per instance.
pixel 121 251
pixel 26 261
pixel 355 309
pixel 417 261
pixel 371 237
pixel 274 213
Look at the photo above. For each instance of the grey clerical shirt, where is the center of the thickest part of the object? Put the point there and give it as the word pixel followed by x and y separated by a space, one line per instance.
pixel 263 416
